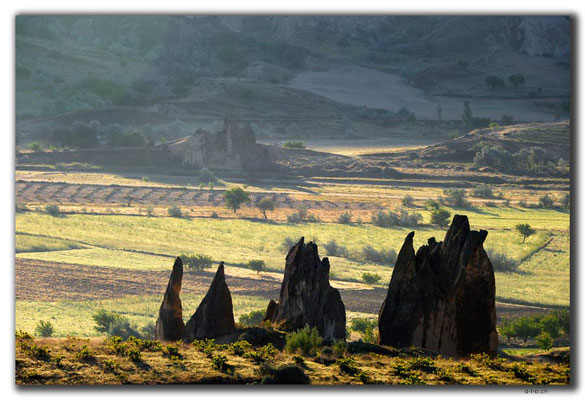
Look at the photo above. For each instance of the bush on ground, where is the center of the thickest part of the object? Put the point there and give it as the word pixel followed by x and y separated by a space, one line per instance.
pixel 305 340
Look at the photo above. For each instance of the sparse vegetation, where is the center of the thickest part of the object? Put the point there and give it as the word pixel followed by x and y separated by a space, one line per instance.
pixel 293 145
pixel 371 279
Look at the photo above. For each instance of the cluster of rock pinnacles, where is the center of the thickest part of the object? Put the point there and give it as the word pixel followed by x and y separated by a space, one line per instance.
pixel 441 298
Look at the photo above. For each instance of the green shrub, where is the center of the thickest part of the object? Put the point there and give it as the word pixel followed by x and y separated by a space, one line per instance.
pixel 371 279
pixel 122 328
pixel 440 217
pixel 104 319
pixel 501 262
pixel 345 218
pixel 85 354
pixel 426 364
pixel 521 372
pixel 335 250
pixel 196 262
pixel 284 375
pixel 175 212
pixel 53 210
pixel 545 341
pixel 252 318
pixel 172 351
pixel 348 366
pixel 299 360
pixel 305 340
pixel 408 201
pixel 385 257
pixel 23 335
pixel 366 327
pixel 402 218
pixel 301 215
pixel 545 201
pixel 240 347
pixel 455 198
pixel 35 146
pixel 339 347
pixel 38 352
pixel 44 329
pixel 134 354
pixel 483 191
pixel 219 362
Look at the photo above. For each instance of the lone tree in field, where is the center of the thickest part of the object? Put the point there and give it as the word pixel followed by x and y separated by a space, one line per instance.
pixel 266 204
pixel 257 265
pixel 525 230
pixel 235 197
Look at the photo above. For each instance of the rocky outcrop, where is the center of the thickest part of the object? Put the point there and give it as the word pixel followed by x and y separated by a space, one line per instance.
pixel 170 325
pixel 271 311
pixel 442 298
pixel 214 316
pixel 306 297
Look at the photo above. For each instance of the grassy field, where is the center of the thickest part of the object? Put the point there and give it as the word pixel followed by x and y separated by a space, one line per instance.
pixel 73 318
pixel 134 242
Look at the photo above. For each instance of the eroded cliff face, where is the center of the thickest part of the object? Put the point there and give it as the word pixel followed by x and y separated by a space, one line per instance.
pixel 234 147
pixel 442 298
pixel 306 297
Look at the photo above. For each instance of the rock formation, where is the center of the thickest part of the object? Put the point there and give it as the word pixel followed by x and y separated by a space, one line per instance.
pixel 170 325
pixel 443 297
pixel 214 316
pixel 306 297
pixel 271 311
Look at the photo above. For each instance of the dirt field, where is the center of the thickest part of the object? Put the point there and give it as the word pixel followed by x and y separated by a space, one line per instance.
pixel 114 194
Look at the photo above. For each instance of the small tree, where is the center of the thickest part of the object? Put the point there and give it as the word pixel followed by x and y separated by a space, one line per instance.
pixel 35 146
pixel 345 218
pixel 44 329
pixel 257 265
pixel 546 201
pixel 175 212
pixel 266 204
pixel 440 217
pixel 53 210
pixel 525 230
pixel 408 201
pixel 206 176
pixel 235 197
pixel 104 319
pixel 455 198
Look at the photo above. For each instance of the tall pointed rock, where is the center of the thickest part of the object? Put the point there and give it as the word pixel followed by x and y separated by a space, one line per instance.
pixel 306 297
pixel 170 325
pixel 442 297
pixel 214 316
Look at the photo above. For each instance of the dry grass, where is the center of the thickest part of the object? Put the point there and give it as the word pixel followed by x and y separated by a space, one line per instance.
pixel 64 365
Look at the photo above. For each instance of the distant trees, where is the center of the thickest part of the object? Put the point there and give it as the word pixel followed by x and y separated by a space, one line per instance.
pixel 396 218
pixel 196 262
pixel 235 197
pixel 543 328
pixel 266 204
pixel 517 80
pixel 494 82
pixel 525 230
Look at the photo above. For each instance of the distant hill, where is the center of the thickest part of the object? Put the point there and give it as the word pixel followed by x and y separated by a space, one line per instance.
pixel 180 69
